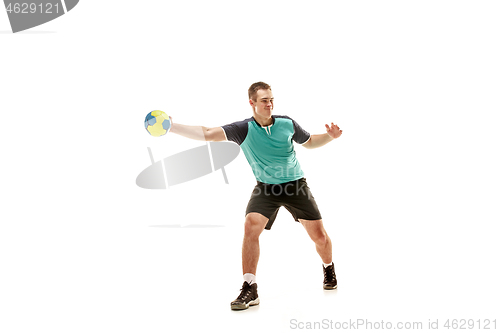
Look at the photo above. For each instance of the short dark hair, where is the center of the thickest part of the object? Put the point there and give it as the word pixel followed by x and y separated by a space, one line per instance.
pixel 252 91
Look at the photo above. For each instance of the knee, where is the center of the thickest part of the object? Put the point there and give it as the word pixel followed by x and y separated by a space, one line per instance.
pixel 320 237
pixel 253 226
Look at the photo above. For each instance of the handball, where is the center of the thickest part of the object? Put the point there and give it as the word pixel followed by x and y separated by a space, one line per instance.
pixel 157 123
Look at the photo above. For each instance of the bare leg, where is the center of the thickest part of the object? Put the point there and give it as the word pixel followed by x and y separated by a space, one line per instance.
pixel 319 236
pixel 254 225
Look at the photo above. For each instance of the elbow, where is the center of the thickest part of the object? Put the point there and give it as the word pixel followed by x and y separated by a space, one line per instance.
pixel 214 134
pixel 308 144
pixel 209 134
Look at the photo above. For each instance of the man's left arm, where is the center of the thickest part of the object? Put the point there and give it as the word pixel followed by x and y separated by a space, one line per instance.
pixel 319 140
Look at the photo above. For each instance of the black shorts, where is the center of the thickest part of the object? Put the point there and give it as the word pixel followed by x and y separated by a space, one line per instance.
pixel 295 196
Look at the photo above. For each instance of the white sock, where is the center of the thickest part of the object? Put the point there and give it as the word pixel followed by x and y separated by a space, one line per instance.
pixel 326 265
pixel 250 278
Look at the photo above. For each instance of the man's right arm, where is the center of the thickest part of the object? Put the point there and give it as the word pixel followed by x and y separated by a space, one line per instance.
pixel 201 133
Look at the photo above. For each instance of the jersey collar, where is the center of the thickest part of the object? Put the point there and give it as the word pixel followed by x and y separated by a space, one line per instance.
pixel 272 116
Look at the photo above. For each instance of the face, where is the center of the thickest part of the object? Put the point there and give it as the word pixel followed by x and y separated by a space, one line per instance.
pixel 263 104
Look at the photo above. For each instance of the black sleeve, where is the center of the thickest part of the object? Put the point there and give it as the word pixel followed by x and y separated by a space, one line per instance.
pixel 300 135
pixel 237 131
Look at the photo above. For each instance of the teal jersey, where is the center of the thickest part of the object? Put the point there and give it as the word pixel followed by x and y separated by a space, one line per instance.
pixel 269 149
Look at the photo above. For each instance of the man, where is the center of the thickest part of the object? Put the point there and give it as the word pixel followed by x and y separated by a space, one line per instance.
pixel 266 141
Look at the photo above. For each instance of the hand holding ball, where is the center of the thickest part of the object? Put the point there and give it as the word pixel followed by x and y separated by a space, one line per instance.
pixel 157 123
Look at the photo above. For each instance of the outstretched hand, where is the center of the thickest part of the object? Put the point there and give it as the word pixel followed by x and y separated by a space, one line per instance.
pixel 334 131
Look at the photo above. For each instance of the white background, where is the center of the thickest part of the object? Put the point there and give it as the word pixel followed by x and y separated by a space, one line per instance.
pixel 409 194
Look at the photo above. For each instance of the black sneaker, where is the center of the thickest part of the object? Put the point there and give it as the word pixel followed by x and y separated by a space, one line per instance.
pixel 248 297
pixel 330 281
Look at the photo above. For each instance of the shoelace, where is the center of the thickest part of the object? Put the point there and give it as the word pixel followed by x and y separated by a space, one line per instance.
pixel 245 292
pixel 329 275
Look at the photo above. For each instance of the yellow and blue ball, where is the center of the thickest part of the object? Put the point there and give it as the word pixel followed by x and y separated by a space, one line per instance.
pixel 157 123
